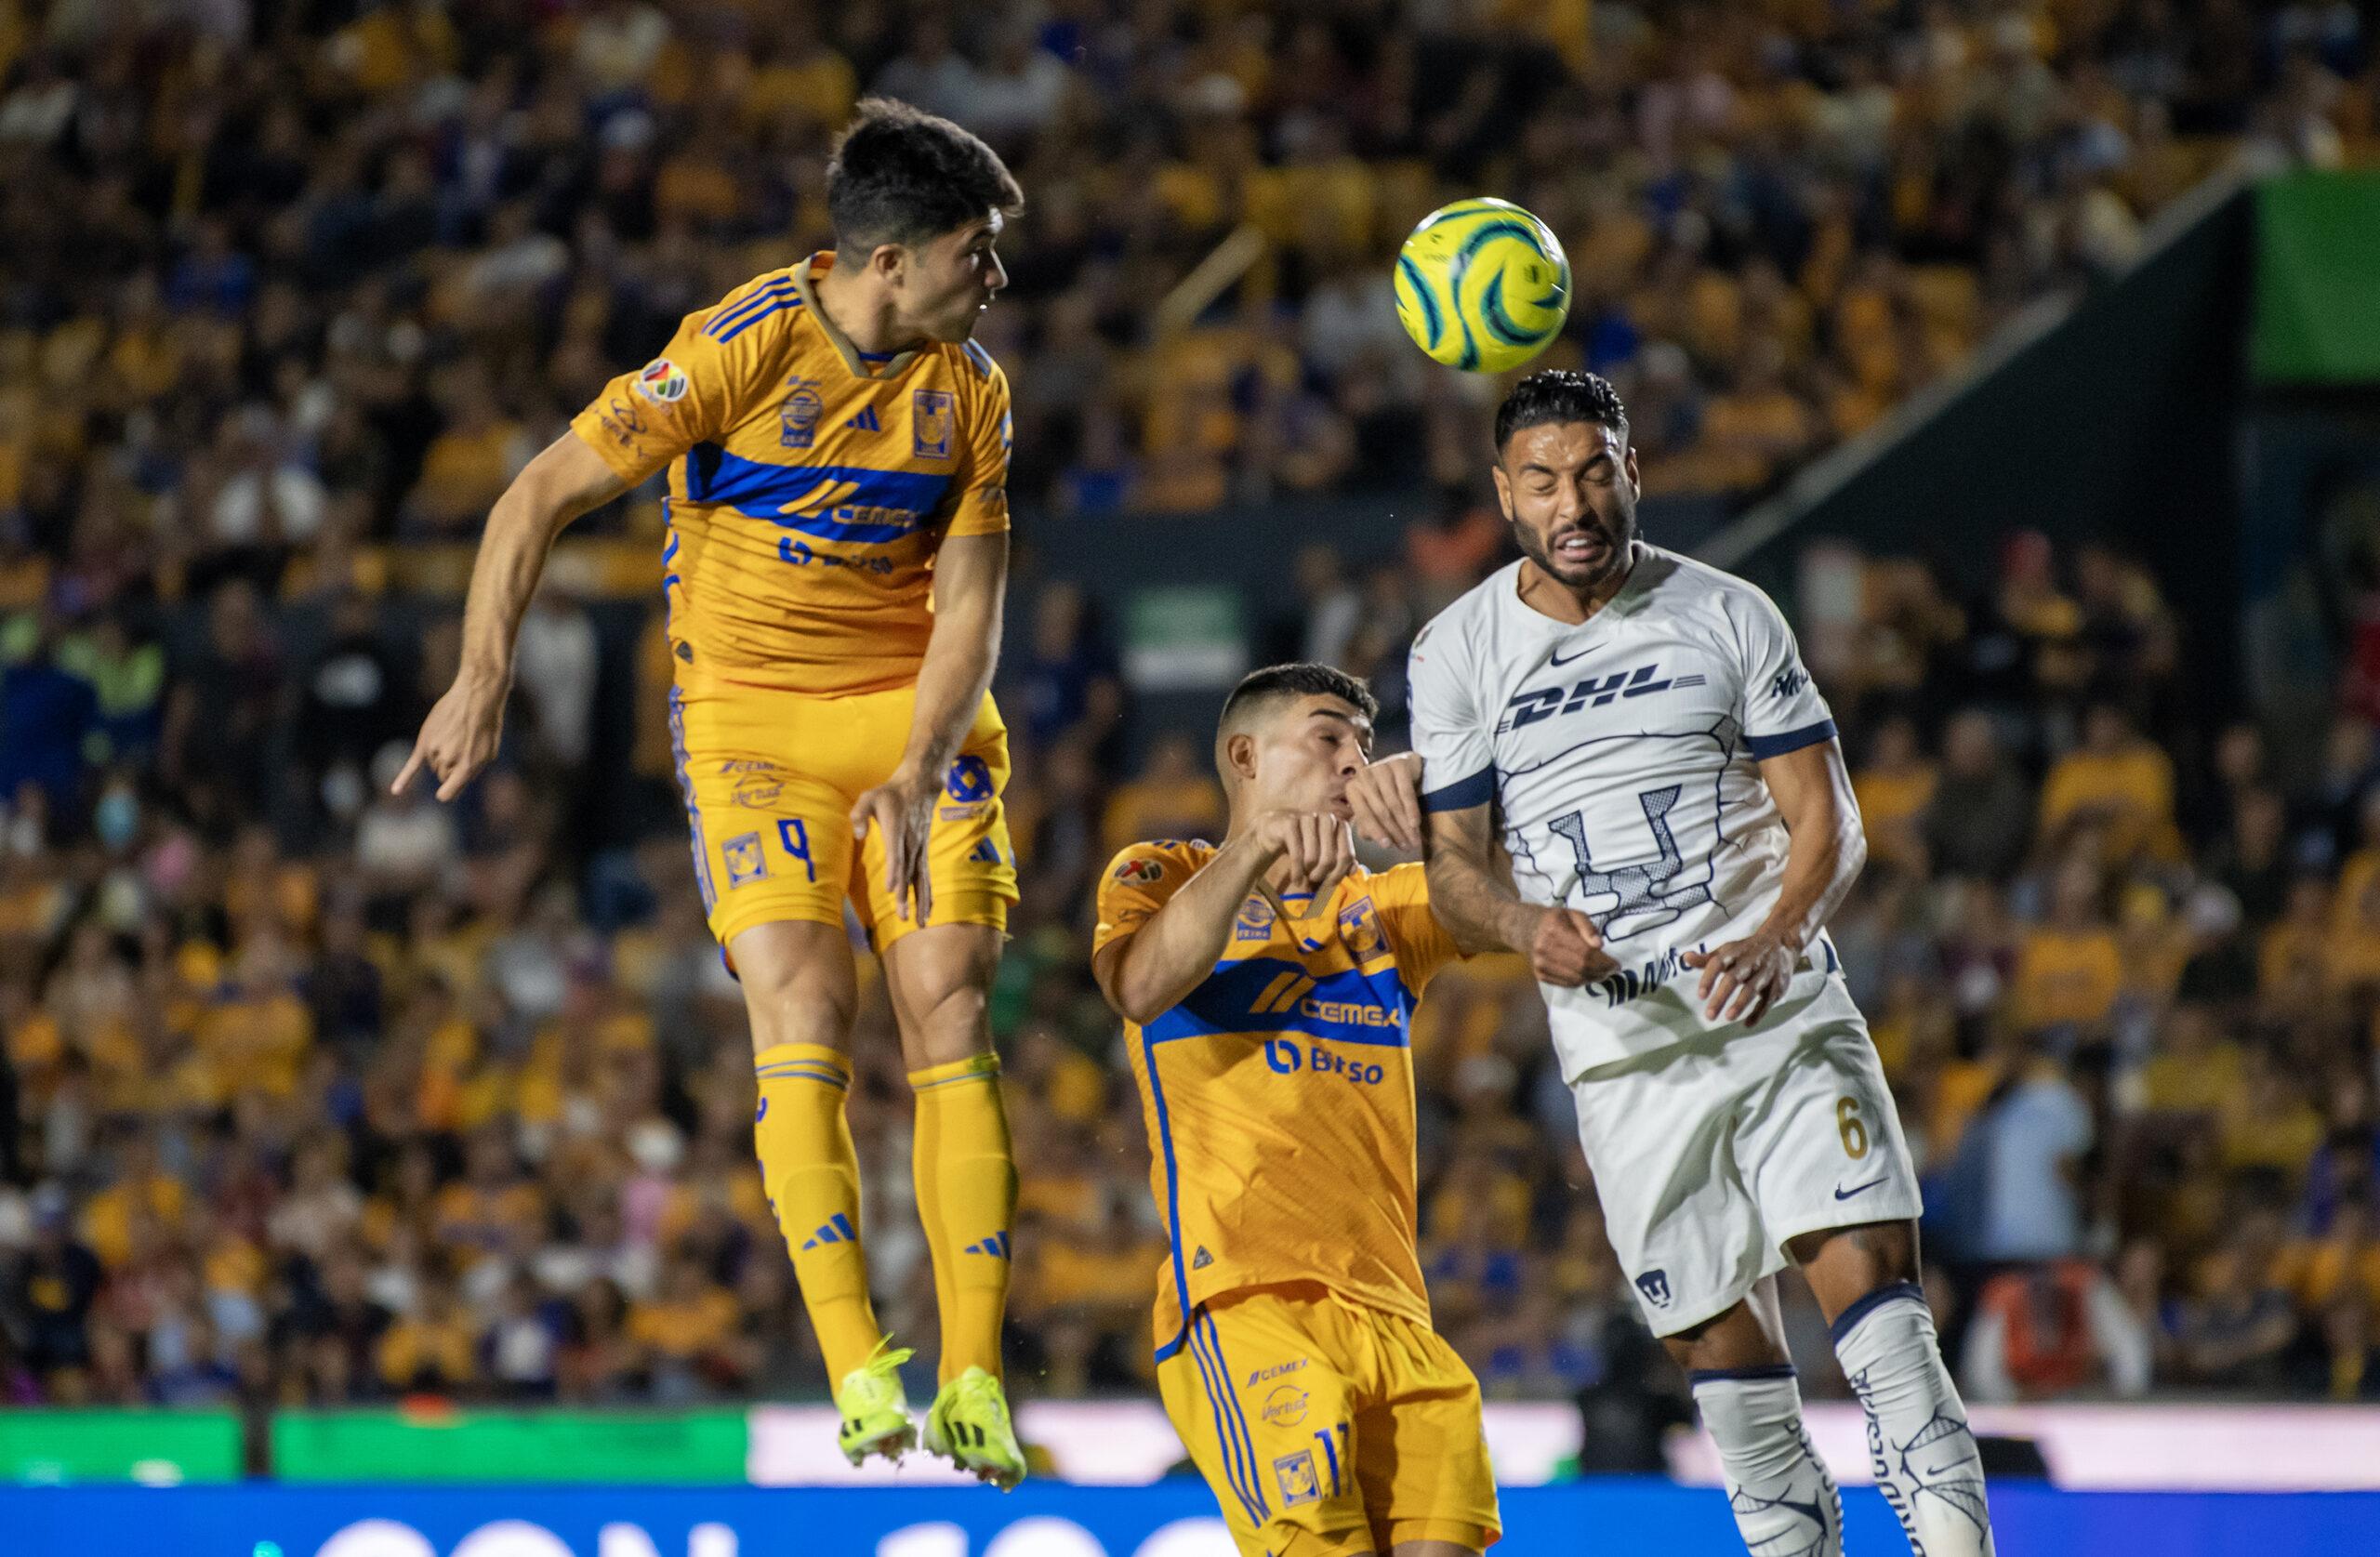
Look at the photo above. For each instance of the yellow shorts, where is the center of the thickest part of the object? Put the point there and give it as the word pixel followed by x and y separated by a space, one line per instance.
pixel 1326 1426
pixel 770 779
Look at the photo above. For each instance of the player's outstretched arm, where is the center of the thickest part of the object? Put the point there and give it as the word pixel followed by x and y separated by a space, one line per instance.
pixel 459 737
pixel 1812 788
pixel 970 597
pixel 1147 972
pixel 1475 901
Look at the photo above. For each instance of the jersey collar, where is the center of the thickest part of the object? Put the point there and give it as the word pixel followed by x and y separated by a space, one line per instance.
pixel 862 366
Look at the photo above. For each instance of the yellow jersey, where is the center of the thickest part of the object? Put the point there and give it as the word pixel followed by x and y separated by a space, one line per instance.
pixel 811 485
pixel 1279 1094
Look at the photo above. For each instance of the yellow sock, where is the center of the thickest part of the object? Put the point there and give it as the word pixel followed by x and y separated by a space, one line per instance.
pixel 811 1171
pixel 966 1178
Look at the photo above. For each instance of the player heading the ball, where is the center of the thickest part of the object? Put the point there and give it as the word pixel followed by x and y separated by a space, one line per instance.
pixel 1639 734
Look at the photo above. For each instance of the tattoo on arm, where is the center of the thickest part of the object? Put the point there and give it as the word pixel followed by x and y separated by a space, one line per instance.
pixel 1469 895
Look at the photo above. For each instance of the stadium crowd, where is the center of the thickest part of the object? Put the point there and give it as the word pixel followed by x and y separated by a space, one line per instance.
pixel 325 1095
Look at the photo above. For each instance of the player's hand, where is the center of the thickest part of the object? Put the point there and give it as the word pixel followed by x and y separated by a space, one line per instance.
pixel 1743 979
pixel 460 735
pixel 1386 797
pixel 1317 845
pixel 1568 951
pixel 903 808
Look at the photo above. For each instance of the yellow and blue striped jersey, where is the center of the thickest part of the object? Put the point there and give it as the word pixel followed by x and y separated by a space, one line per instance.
pixel 811 485
pixel 1279 1094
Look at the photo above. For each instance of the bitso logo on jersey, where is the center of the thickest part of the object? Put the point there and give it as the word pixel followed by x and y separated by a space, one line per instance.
pixel 662 382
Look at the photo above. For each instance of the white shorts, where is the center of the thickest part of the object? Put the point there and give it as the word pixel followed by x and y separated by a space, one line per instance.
pixel 1712 1154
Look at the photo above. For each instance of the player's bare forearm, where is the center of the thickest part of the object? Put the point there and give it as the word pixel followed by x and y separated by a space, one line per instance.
pixel 459 736
pixel 1469 896
pixel 1813 792
pixel 566 479
pixel 1150 972
pixel 970 595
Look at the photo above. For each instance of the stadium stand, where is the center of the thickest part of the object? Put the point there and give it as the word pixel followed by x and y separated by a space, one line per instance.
pixel 320 1095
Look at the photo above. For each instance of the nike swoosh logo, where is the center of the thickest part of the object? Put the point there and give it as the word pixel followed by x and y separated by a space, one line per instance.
pixel 1580 656
pixel 1841 1193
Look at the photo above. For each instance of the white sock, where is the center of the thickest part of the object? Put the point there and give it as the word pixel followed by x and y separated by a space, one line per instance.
pixel 1925 1457
pixel 1784 1502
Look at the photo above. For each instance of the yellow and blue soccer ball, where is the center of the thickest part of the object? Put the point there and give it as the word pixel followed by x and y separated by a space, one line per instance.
pixel 1482 285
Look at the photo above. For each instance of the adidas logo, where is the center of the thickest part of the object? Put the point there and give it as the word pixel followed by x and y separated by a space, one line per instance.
pixel 866 421
pixel 838 1230
pixel 996 1246
pixel 1200 1260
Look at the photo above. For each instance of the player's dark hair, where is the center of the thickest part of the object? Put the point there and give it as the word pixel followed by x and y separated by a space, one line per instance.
pixel 1555 395
pixel 1304 678
pixel 904 176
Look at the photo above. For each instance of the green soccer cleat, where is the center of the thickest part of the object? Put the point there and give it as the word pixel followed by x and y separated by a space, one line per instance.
pixel 970 1427
pixel 874 1411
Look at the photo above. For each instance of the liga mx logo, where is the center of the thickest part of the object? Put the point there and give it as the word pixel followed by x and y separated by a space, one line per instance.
pixel 662 381
pixel 932 415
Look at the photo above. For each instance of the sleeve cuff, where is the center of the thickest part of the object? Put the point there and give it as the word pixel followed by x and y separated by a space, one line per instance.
pixel 1463 794
pixel 627 462
pixel 1766 746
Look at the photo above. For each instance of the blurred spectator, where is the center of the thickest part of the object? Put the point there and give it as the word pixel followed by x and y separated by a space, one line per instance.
pixel 2053 1331
pixel 2115 780
pixel 2031 1142
pixel 554 665
pixel 431 1349
pixel 1175 796
pixel 352 702
pixel 1065 678
pixel 2235 1333
pixel 2069 969
pixel 1980 814
pixel 1895 787
pixel 46 716
pixel 53 1287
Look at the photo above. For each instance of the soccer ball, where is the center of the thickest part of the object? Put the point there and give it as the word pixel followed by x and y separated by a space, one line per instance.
pixel 1482 285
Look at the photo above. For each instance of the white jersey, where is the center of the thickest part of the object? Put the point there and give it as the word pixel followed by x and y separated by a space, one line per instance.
pixel 1620 754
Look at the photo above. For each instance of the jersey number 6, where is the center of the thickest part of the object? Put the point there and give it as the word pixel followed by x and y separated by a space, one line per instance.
pixel 1853 1128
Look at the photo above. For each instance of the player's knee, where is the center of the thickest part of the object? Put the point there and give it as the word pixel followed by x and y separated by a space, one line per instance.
pixel 942 980
pixel 954 1025
pixel 797 986
pixel 1728 1342
pixel 1846 1263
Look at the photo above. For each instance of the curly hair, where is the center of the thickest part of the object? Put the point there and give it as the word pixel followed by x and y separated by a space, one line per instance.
pixel 1559 395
